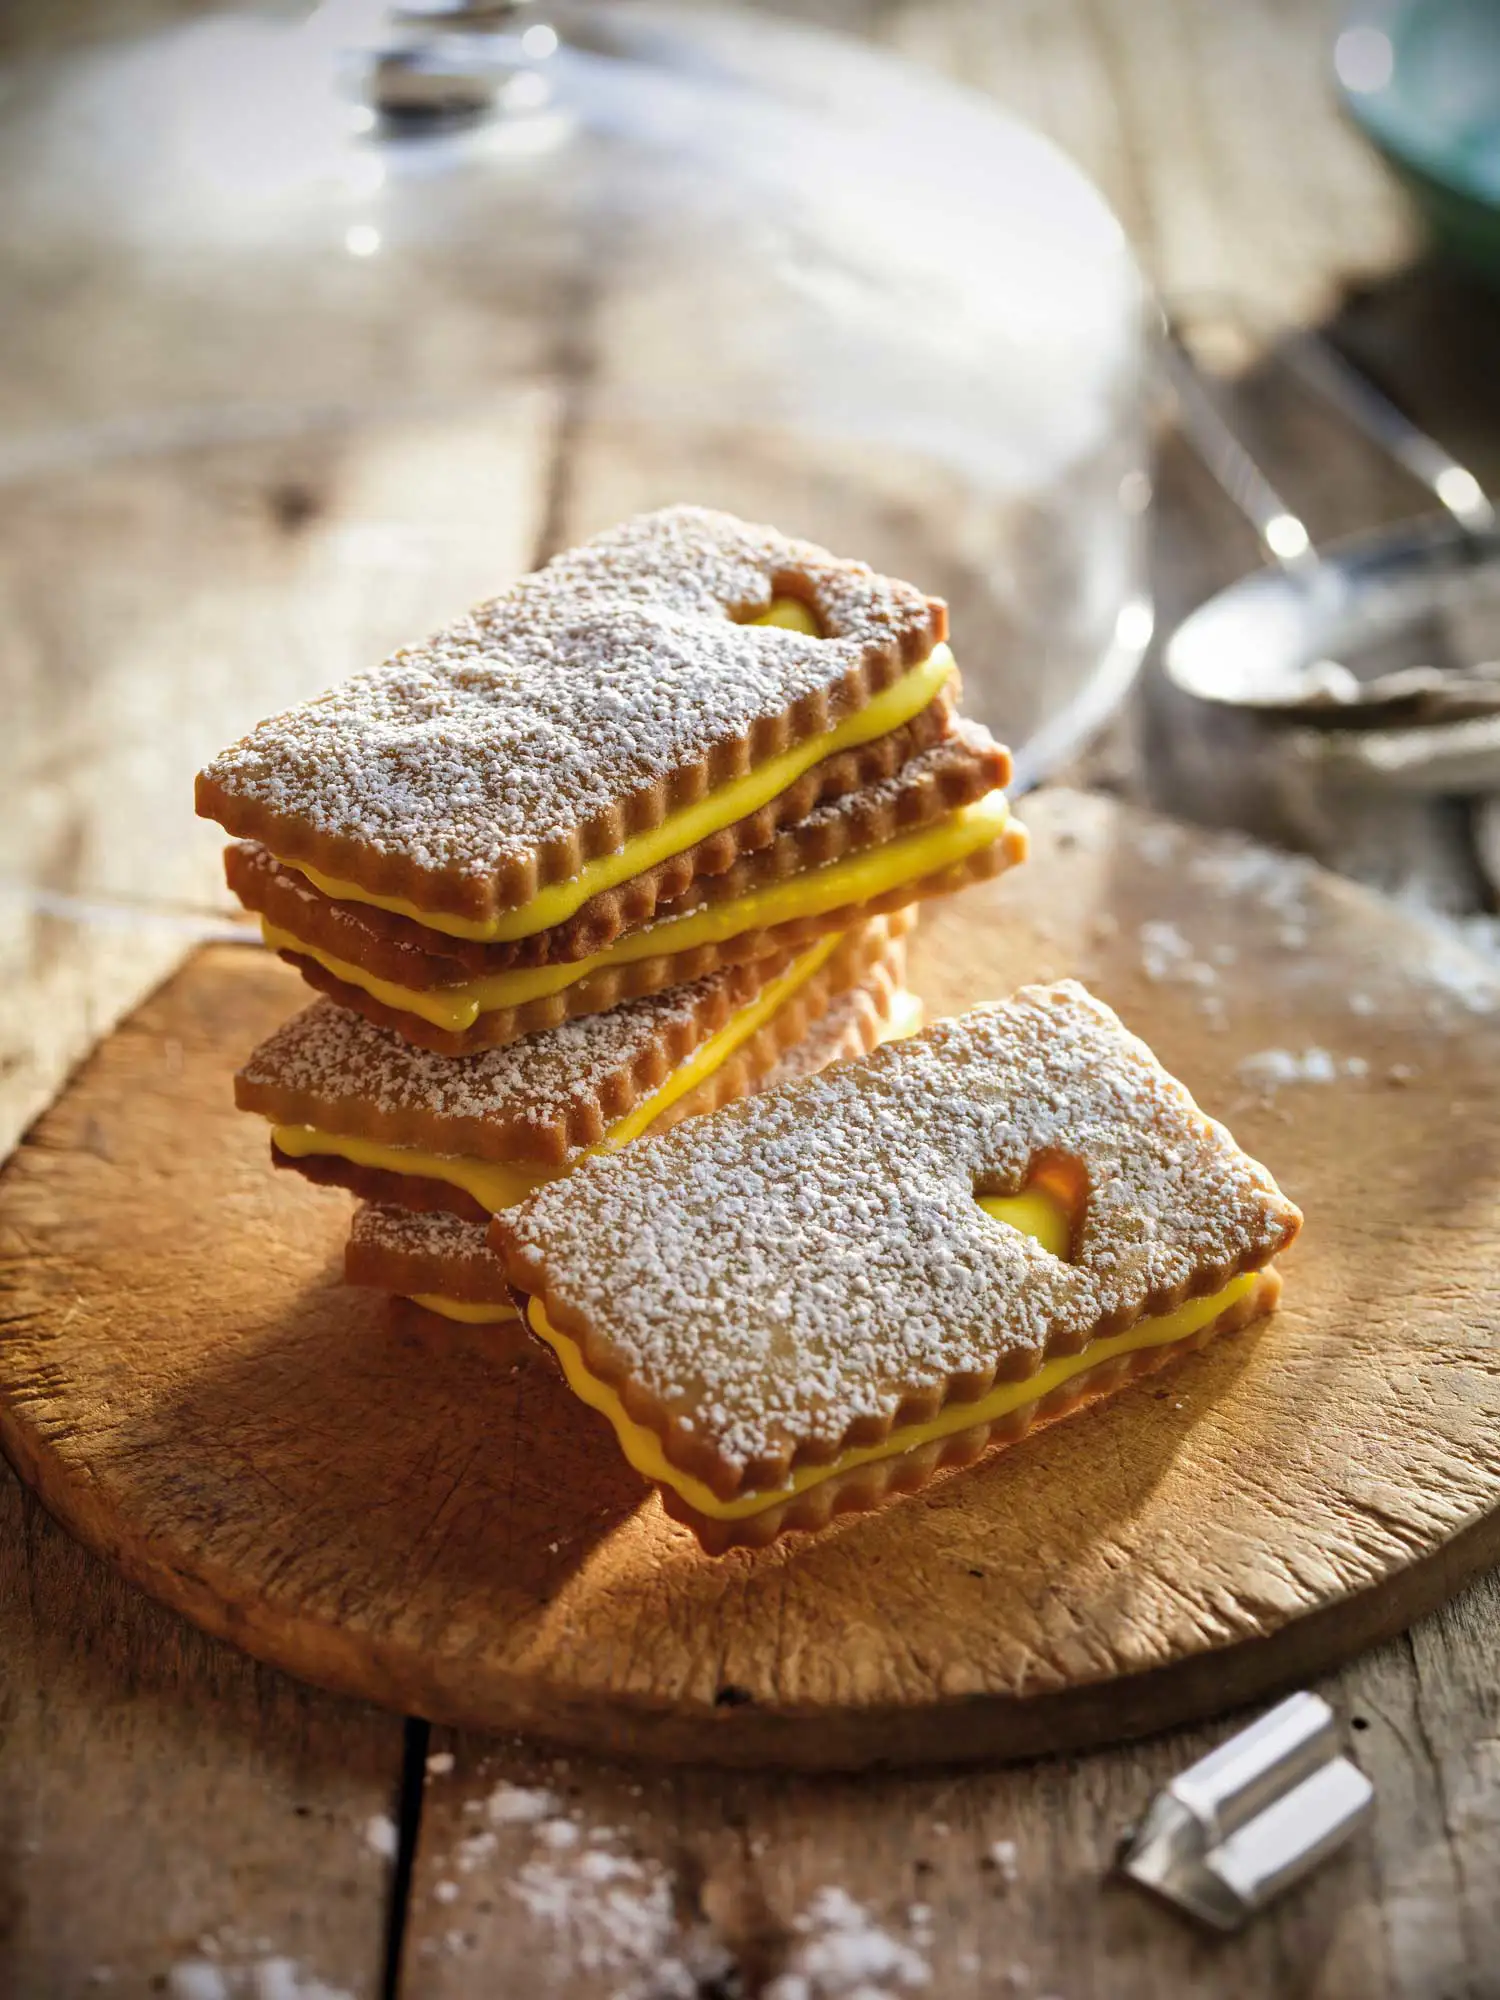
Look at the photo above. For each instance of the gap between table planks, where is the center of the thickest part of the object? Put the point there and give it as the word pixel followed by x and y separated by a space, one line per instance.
pixel 166 1802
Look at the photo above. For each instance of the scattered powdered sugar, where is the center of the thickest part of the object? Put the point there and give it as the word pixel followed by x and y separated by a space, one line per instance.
pixel 440 1764
pixel 475 1849
pixel 247 1979
pixel 809 1257
pixel 1167 955
pixel 1169 958
pixel 840 1953
pixel 1157 842
pixel 197 1979
pixel 1238 868
pixel 1001 1856
pixel 282 1979
pixel 612 1916
pixel 615 667
pixel 1270 1068
pixel 380 1836
pixel 1458 960
pixel 520 1805
pixel 616 1919
pixel 1457 964
pixel 1481 933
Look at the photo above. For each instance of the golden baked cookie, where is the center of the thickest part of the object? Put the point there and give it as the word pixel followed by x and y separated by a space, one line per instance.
pixel 824 1294
pixel 353 1105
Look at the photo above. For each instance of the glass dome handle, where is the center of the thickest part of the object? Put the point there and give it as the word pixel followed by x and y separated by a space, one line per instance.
pixel 462 13
pixel 454 61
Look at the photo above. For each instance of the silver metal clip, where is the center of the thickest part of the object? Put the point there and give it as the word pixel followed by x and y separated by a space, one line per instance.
pixel 1252 1817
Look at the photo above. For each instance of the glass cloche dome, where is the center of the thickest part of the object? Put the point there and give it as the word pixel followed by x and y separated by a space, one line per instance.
pixel 321 325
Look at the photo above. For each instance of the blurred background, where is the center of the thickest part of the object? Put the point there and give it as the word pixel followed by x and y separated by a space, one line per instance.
pixel 321 322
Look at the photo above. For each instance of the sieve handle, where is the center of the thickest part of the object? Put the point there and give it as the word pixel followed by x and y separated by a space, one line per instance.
pixel 1317 363
pixel 1282 532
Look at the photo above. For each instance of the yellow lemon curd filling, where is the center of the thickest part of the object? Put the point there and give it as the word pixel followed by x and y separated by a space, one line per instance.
pixel 905 1019
pixel 497 1184
pixel 855 878
pixel 472 1312
pixel 1036 1214
pixel 684 828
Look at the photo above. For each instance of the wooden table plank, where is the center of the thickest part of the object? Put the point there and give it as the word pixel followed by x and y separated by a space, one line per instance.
pixel 248 576
pixel 1207 128
pixel 174 1818
pixel 989 1882
pixel 1210 131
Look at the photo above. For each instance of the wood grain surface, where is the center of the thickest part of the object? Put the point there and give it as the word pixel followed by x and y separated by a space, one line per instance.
pixel 424 1516
pixel 1211 130
pixel 167 1804
pixel 980 1883
pixel 1207 126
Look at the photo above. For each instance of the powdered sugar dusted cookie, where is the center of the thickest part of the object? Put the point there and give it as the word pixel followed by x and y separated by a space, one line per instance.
pixel 493 1010
pixel 353 1105
pixel 689 744
pixel 629 679
pixel 425 1238
pixel 435 1259
pixel 821 1295
pixel 934 825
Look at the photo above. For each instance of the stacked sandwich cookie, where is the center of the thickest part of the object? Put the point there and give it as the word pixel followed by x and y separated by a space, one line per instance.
pixel 436 1145
pixel 687 744
pixel 607 852
pixel 813 1300
pixel 444 1262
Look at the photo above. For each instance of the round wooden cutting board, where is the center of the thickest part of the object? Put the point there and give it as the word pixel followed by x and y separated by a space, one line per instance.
pixel 421 1514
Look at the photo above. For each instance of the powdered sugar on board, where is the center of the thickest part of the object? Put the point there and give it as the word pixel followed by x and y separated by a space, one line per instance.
pixel 811 1257
pixel 1268 1069
pixel 590 682
pixel 1221 923
pixel 1289 888
pixel 381 1836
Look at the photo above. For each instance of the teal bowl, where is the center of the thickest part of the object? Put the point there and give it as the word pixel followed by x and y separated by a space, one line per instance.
pixel 1421 79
